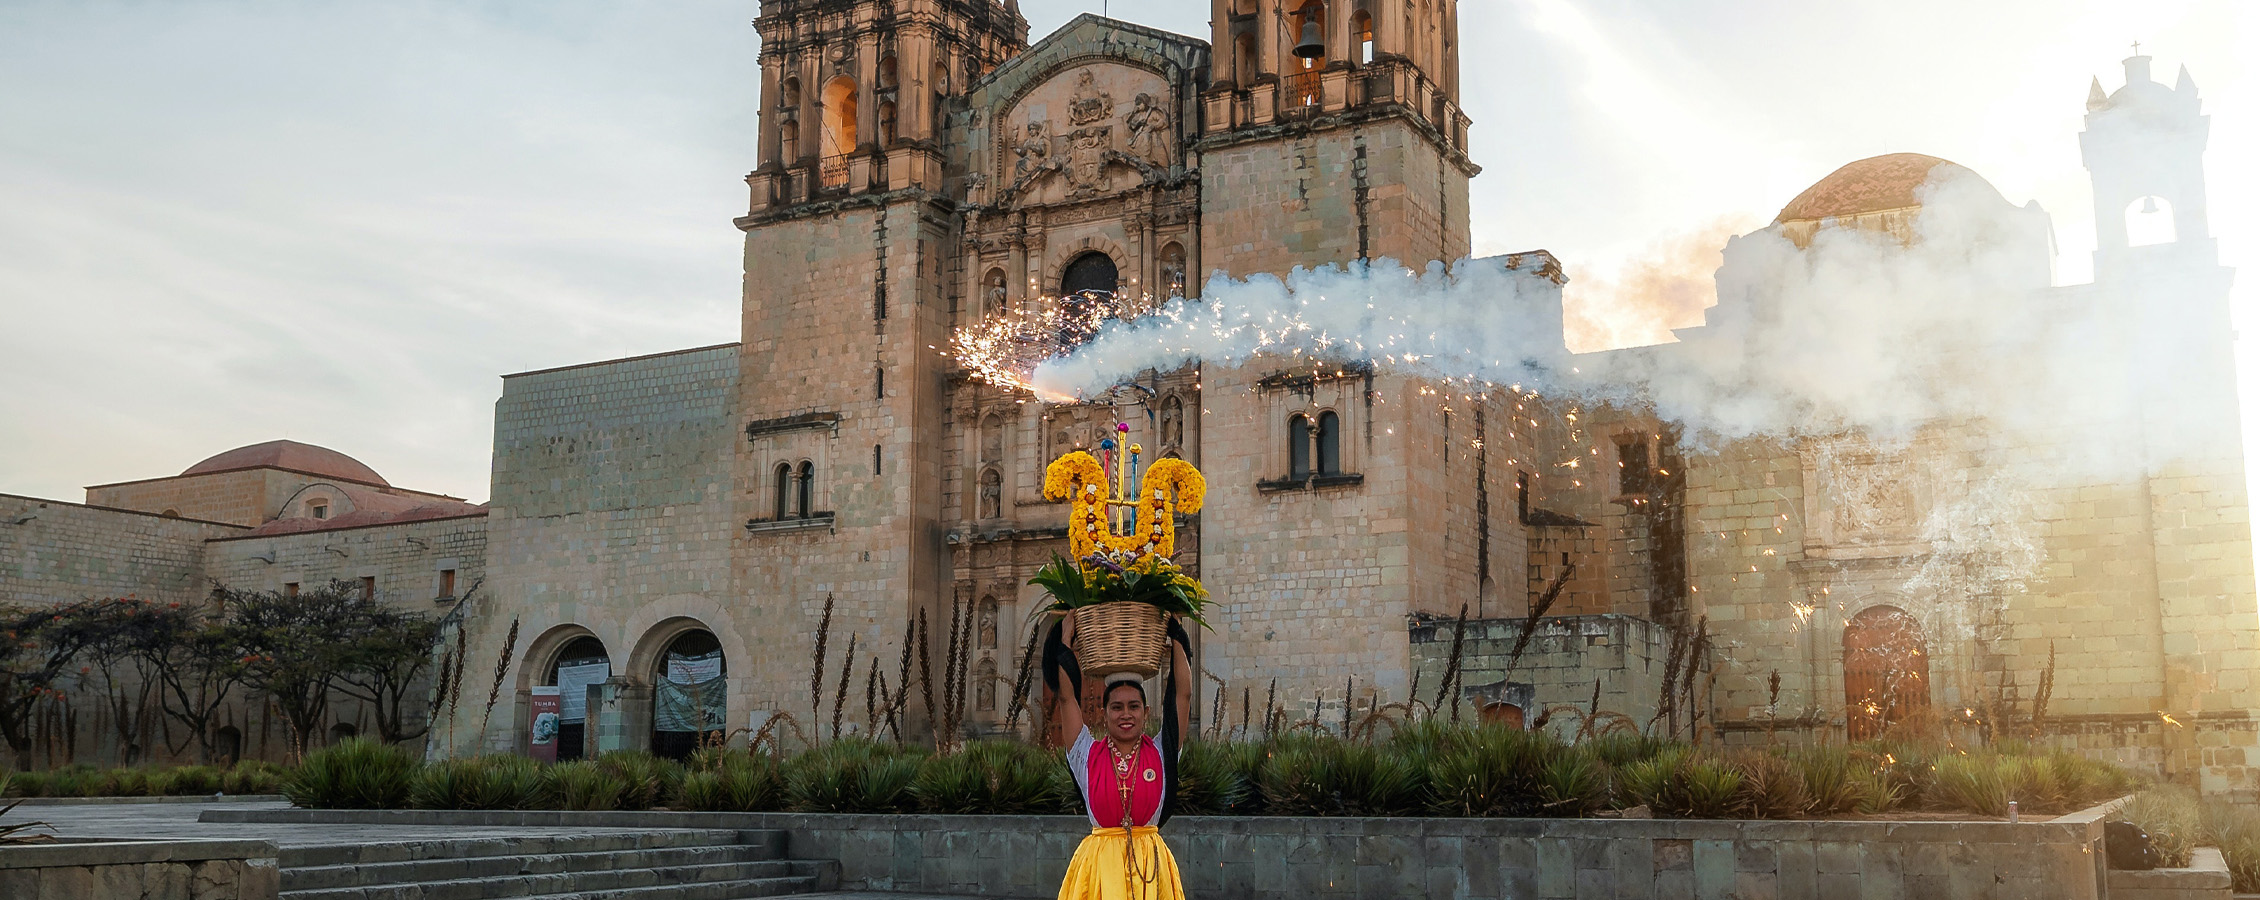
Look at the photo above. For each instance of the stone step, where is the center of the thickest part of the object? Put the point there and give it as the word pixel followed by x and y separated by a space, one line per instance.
pixel 734 889
pixel 306 878
pixel 525 845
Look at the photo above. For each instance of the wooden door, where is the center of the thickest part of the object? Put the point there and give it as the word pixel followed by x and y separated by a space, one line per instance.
pixel 1886 671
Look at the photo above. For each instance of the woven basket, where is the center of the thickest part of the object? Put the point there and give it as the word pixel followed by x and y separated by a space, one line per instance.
pixel 1124 636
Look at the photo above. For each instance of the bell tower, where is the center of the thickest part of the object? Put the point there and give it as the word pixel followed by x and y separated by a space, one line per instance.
pixel 1332 133
pixel 1346 110
pixel 843 396
pixel 2145 152
pixel 852 91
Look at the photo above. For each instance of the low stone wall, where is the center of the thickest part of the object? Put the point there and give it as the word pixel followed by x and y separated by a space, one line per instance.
pixel 140 870
pixel 1469 859
pixel 2206 878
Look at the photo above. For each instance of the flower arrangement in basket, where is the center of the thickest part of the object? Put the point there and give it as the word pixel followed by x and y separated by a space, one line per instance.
pixel 1120 584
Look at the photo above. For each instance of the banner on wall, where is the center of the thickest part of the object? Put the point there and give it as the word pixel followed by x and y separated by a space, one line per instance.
pixel 694 669
pixel 573 688
pixel 543 727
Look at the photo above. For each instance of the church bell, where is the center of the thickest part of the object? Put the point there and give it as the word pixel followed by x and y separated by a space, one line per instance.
pixel 1313 44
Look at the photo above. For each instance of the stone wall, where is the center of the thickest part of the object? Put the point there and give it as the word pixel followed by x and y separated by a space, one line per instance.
pixel 140 870
pixel 56 552
pixel 406 559
pixel 1462 859
pixel 1566 657
pixel 612 515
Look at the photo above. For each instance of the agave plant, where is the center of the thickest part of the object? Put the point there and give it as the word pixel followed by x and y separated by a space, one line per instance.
pixel 1970 783
pixel 1216 779
pixel 356 773
pixel 650 781
pixel 583 785
pixel 1320 775
pixel 502 781
pixel 852 775
pixel 1497 771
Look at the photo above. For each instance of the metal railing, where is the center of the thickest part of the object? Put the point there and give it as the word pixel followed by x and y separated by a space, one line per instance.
pixel 833 170
pixel 1302 91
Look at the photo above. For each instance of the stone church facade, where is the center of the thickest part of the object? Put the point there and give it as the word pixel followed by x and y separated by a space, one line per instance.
pixel 691 516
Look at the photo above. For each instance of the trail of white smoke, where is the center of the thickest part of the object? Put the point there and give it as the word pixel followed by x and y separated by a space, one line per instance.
pixel 1862 330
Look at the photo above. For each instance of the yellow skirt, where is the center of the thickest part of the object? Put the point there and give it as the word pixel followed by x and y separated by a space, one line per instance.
pixel 1111 865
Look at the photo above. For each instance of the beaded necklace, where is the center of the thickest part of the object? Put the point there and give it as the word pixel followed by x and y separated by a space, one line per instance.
pixel 1122 765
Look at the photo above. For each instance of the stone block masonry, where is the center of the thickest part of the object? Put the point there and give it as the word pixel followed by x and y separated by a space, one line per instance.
pixel 56 552
pixel 140 870
pixel 611 514
pixel 1459 859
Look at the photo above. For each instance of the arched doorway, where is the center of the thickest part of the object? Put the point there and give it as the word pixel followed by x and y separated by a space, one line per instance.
pixel 1886 671
pixel 688 694
pixel 580 663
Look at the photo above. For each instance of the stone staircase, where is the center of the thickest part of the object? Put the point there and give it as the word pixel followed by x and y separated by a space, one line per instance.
pixel 702 864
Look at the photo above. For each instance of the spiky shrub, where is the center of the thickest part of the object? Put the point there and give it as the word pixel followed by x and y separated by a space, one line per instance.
pixel 583 785
pixel 1211 780
pixel 191 781
pixel 2172 817
pixel 650 781
pixel 852 775
pixel 1772 787
pixel 1310 775
pixel 2086 782
pixel 1879 794
pixel 1970 783
pixel 994 776
pixel 1681 783
pixel 1573 784
pixel 1490 771
pixel 501 781
pixel 1835 781
pixel 121 783
pixel 1623 748
pixel 74 780
pixel 253 776
pixel 732 781
pixel 356 773
pixel 25 784
pixel 2236 830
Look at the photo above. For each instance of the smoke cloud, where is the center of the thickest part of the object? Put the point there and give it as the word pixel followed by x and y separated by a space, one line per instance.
pixel 1863 330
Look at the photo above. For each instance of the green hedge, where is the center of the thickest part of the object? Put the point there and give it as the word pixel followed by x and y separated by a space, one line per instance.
pixel 81 780
pixel 1424 769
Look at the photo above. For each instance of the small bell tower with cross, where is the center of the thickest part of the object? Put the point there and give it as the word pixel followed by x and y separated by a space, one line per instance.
pixel 2145 153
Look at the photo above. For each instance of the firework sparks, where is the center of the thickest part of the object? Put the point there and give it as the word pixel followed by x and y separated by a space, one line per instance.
pixel 1005 349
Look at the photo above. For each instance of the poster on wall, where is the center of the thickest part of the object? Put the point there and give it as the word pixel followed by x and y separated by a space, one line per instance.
pixel 543 728
pixel 573 688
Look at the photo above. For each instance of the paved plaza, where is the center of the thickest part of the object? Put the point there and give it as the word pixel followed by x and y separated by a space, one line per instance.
pixel 178 821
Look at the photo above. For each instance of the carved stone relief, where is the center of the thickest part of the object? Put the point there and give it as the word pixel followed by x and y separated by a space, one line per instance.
pixel 1151 137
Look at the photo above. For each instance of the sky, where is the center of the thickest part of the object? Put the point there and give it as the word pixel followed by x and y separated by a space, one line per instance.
pixel 229 221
